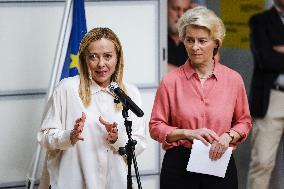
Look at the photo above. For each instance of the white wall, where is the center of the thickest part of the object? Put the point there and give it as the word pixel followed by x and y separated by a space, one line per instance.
pixel 28 37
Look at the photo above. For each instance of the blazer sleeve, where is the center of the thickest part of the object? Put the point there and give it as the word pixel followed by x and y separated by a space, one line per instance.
pixel 261 45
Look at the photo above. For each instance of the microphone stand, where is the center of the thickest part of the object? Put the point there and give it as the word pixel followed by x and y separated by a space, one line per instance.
pixel 129 150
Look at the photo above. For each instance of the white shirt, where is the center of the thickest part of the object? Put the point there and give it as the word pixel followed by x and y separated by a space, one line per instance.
pixel 93 163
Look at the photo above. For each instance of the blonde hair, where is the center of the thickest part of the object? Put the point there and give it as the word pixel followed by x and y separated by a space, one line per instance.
pixel 203 17
pixel 84 70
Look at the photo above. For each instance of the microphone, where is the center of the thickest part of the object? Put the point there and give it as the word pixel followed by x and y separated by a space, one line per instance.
pixel 125 100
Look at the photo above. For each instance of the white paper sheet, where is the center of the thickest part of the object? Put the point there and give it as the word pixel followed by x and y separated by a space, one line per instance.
pixel 199 161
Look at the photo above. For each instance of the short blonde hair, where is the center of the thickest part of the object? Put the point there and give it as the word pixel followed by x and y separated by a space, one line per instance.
pixel 203 17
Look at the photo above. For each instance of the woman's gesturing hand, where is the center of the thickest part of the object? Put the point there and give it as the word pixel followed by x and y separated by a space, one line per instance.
pixel 111 130
pixel 205 135
pixel 78 129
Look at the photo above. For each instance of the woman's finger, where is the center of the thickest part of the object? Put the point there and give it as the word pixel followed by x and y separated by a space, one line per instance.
pixel 83 118
pixel 209 138
pixel 214 154
pixel 79 137
pixel 79 126
pixel 103 121
pixel 75 135
pixel 114 130
pixel 107 125
pixel 111 138
pixel 213 150
pixel 113 135
pixel 213 135
pixel 218 155
pixel 216 151
pixel 199 137
pixel 80 122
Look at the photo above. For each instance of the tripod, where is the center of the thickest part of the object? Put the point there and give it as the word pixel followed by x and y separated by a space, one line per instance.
pixel 129 150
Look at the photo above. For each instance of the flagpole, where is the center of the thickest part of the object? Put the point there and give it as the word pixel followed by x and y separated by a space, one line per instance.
pixel 57 64
pixel 53 80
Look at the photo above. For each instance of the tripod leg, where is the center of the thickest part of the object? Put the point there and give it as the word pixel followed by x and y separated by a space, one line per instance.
pixel 129 177
pixel 136 170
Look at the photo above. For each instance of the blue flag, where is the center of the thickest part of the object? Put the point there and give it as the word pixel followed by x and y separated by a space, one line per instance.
pixel 78 30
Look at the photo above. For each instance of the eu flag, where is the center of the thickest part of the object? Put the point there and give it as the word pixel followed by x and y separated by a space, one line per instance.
pixel 78 30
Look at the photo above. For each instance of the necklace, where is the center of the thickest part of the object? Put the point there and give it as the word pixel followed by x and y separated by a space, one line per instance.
pixel 211 73
pixel 205 77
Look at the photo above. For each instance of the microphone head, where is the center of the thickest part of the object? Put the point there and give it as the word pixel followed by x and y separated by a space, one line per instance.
pixel 112 86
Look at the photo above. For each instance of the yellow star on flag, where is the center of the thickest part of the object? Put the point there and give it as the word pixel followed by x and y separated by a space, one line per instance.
pixel 74 61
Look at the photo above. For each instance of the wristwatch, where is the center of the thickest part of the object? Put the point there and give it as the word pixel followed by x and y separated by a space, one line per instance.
pixel 231 135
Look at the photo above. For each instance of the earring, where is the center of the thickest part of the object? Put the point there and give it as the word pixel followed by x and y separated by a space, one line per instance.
pixel 115 77
pixel 90 75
